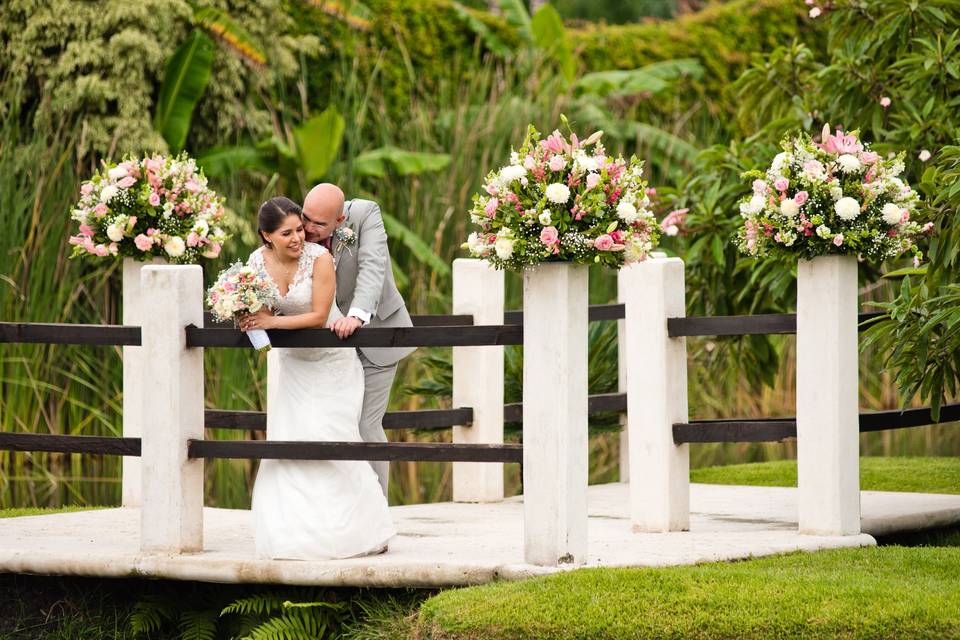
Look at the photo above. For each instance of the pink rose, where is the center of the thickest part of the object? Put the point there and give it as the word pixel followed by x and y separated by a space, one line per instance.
pixel 101 250
pixel 492 189
pixel 86 189
pixel 151 232
pixel 869 157
pixel 549 236
pixel 86 230
pixel 491 208
pixel 127 182
pixel 193 239
pixel 76 240
pixel 143 242
pixel 100 209
pixel 838 239
pixel 154 199
pixel 801 197
pixel 781 184
pixel 759 187
pixel 603 243
pixel 617 237
pixel 593 180
pixel 557 163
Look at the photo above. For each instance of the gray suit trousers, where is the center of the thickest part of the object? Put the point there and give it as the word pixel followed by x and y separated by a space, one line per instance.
pixel 377 383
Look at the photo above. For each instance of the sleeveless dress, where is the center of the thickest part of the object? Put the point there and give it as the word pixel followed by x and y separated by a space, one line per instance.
pixel 323 509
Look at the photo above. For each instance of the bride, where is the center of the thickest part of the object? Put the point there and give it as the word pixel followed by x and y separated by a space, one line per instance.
pixel 311 510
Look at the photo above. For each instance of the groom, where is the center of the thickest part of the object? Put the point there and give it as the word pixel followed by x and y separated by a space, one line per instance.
pixel 366 294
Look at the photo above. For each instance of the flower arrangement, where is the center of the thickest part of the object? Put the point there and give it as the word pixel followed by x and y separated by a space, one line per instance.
pixel 563 199
pixel 157 206
pixel 243 289
pixel 831 197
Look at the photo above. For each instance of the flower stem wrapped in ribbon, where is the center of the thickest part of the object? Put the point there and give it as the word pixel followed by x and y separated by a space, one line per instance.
pixel 157 206
pixel 563 199
pixel 831 197
pixel 243 289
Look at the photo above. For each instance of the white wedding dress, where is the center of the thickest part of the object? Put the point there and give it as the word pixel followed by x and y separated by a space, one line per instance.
pixel 316 510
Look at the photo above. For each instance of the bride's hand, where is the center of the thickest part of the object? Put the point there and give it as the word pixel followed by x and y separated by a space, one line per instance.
pixel 263 319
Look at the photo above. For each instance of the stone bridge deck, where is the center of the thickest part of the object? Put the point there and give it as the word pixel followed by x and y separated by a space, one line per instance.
pixel 448 544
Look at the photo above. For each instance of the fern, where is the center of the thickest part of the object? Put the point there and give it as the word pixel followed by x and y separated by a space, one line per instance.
pixel 257 605
pixel 296 624
pixel 149 616
pixel 198 625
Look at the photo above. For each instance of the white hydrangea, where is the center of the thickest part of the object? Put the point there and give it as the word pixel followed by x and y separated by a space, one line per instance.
pixel 891 213
pixel 627 212
pixel 847 208
pixel 849 163
pixel 510 173
pixel 789 207
pixel 558 193
pixel 108 192
pixel 753 206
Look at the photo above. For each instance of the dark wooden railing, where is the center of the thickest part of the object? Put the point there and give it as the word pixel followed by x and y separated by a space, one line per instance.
pixel 444 330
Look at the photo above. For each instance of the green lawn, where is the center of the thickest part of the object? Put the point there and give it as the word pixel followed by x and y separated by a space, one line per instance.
pixel 929 475
pixel 42 511
pixel 885 592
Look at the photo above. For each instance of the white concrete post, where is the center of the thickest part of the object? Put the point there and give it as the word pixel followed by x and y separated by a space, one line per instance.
pixel 478 380
pixel 555 414
pixel 656 367
pixel 828 433
pixel 172 512
pixel 135 371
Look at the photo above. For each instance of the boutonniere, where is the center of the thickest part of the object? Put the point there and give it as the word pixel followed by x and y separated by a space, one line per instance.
pixel 346 237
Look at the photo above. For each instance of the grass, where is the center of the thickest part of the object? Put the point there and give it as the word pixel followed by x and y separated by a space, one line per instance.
pixel 41 511
pixel 884 592
pixel 928 475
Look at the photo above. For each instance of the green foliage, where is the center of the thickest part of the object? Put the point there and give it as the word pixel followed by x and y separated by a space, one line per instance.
pixel 828 594
pixel 379 162
pixel 651 79
pixel 550 36
pixel 318 142
pixel 184 82
pixel 615 11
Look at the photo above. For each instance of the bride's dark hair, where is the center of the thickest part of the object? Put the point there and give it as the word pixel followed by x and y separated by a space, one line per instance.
pixel 272 214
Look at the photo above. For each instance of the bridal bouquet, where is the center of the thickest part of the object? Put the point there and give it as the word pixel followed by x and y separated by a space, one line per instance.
pixel 832 197
pixel 563 199
pixel 157 206
pixel 243 289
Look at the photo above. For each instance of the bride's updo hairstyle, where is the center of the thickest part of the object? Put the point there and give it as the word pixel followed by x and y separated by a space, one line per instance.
pixel 272 214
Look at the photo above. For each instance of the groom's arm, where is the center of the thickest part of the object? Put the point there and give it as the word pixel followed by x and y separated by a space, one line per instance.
pixel 371 265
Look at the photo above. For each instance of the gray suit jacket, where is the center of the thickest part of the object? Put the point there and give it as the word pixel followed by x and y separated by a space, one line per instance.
pixel 365 277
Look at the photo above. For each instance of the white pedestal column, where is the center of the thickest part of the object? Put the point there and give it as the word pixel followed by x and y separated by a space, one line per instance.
pixel 172 511
pixel 136 305
pixel 828 434
pixel 555 414
pixel 656 377
pixel 478 380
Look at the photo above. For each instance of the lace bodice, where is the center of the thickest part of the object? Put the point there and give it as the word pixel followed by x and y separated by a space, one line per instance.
pixel 299 297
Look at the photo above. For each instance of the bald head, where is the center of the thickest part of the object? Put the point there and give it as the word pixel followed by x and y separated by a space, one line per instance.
pixel 322 211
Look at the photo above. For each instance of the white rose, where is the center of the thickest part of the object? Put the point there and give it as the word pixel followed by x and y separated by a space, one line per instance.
pixel 545 218
pixel 891 213
pixel 511 173
pixel 789 207
pixel 558 193
pixel 108 192
pixel 504 248
pixel 474 243
pixel 847 208
pixel 117 173
pixel 836 193
pixel 627 212
pixel 848 163
pixel 201 228
pixel 167 209
pixel 115 232
pixel 175 247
